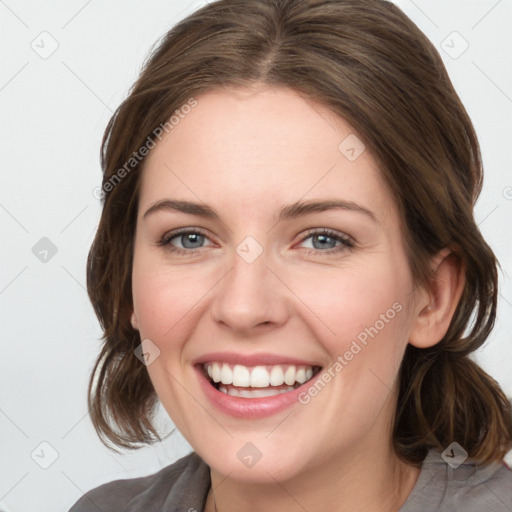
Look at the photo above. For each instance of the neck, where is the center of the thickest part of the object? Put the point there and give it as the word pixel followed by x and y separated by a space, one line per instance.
pixel 355 481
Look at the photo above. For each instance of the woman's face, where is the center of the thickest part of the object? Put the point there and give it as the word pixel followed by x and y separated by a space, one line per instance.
pixel 265 287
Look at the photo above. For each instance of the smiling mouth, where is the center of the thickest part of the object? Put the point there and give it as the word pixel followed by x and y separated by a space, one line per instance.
pixel 257 381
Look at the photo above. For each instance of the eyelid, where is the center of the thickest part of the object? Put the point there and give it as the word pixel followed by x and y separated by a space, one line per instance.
pixel 178 231
pixel 167 237
pixel 328 232
pixel 347 242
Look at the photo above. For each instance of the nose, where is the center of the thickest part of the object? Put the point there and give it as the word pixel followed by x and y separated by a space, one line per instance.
pixel 250 297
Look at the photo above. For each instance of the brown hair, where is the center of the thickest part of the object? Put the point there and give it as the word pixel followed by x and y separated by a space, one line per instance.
pixel 370 64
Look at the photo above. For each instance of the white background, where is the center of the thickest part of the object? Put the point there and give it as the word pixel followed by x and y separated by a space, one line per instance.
pixel 53 114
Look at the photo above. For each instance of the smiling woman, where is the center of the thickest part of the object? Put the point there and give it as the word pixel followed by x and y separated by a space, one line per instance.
pixel 294 271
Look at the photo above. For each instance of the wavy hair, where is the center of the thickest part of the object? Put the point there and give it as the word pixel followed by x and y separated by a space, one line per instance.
pixel 371 65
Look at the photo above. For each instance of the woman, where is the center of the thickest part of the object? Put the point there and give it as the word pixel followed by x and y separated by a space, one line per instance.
pixel 287 260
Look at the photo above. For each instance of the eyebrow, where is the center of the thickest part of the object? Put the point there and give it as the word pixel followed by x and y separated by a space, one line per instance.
pixel 290 211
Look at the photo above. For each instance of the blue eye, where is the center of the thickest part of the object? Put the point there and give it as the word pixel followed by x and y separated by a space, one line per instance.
pixel 324 241
pixel 192 239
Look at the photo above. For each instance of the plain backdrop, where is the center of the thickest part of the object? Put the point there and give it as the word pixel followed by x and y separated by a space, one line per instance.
pixel 65 67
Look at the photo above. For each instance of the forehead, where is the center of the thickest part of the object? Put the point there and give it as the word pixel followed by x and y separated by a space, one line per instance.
pixel 259 148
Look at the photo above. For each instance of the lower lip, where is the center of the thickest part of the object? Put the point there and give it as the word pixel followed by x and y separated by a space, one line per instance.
pixel 249 407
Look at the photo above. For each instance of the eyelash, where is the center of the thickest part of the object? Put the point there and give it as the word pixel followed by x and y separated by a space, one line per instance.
pixel 346 242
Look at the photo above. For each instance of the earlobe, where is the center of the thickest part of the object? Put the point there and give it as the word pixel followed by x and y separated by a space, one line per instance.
pixel 134 322
pixel 440 298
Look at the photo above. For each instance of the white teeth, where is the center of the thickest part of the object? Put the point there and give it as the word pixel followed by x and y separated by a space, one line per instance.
pixel 289 376
pixel 254 393
pixel 277 376
pixel 258 376
pixel 300 375
pixel 241 376
pixel 226 374
pixel 215 372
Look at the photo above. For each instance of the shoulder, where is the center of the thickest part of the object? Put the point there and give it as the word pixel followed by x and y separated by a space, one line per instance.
pixel 184 483
pixel 468 487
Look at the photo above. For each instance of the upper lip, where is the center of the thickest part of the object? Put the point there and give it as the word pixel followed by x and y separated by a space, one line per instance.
pixel 258 359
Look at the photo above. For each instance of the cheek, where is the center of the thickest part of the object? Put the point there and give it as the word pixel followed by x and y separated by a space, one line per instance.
pixel 348 302
pixel 167 303
pixel 360 315
pixel 166 299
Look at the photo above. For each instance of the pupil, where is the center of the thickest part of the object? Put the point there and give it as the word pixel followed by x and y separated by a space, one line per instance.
pixel 190 237
pixel 323 238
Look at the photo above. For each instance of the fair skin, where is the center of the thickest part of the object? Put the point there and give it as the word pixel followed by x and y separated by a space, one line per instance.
pixel 247 153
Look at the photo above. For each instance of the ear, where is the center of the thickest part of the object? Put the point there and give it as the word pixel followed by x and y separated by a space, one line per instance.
pixel 438 299
pixel 134 321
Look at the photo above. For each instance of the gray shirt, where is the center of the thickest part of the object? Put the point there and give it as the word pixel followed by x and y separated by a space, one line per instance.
pixel 183 487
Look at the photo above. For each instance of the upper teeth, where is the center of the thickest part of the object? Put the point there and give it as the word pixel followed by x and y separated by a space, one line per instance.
pixel 258 376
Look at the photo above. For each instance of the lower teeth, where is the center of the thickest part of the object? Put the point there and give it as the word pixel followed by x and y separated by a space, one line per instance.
pixel 254 393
